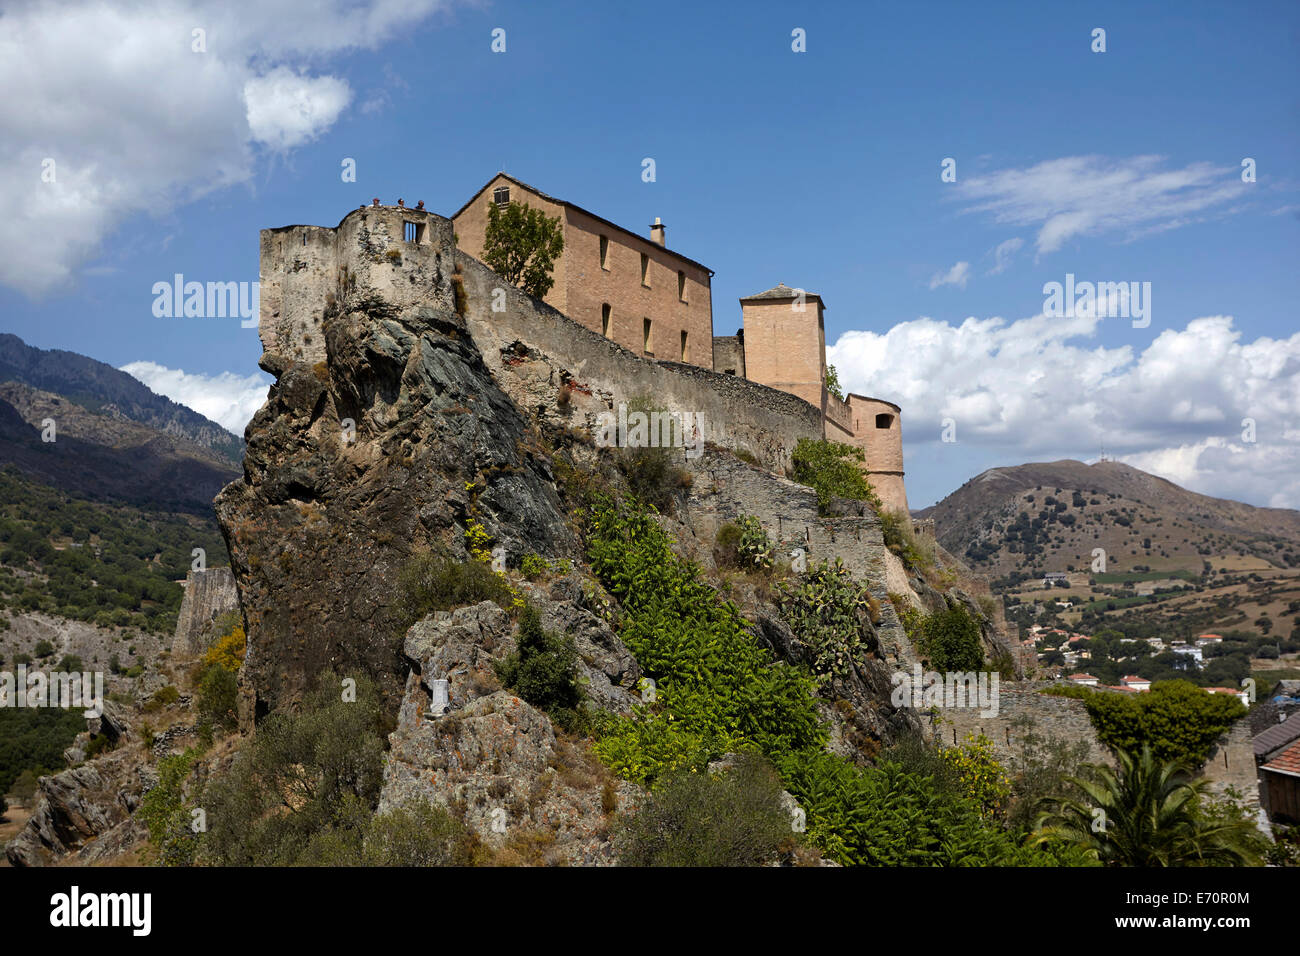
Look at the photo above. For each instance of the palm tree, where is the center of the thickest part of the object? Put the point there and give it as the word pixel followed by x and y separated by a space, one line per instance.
pixel 1147 814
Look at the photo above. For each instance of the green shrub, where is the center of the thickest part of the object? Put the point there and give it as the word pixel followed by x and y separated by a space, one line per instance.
pixel 896 529
pixel 165 815
pixel 162 697
pixel 217 701
pixel 652 476
pixel 717 686
pixel 417 834
pixel 302 775
pixel 726 544
pixel 950 640
pixel 731 818
pixel 43 649
pixel 430 582
pixel 1177 719
pixel 543 669
pixel 833 470
pixel 533 566
pixel 69 663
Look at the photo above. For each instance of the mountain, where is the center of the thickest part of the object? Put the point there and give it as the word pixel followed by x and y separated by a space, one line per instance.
pixel 1176 563
pixel 98 387
pixel 1050 516
pixel 114 439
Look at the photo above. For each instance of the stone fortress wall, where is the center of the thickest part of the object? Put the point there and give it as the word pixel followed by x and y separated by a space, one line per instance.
pixel 534 351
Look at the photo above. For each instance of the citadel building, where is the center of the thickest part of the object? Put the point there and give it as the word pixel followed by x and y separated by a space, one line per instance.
pixel 658 304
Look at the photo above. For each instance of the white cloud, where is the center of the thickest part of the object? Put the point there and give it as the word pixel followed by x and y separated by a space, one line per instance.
pixel 1041 389
pixel 287 110
pixel 137 122
pixel 1003 253
pixel 229 400
pixel 957 276
pixel 1091 196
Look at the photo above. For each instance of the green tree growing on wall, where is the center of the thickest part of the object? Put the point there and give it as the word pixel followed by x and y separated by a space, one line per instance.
pixel 522 244
pixel 833 382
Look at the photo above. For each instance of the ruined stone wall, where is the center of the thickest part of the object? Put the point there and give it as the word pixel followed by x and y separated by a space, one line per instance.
pixel 1023 708
pixel 729 354
pixel 208 595
pixel 724 488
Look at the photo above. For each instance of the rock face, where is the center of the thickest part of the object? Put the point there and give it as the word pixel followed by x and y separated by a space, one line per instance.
pixel 493 756
pixel 208 595
pixel 84 814
pixel 398 441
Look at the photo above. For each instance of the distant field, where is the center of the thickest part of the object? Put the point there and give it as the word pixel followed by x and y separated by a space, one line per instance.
pixel 1121 577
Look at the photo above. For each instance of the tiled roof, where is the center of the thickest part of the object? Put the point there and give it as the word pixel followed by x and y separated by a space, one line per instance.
pixel 1279 735
pixel 781 291
pixel 1288 761
pixel 1082 677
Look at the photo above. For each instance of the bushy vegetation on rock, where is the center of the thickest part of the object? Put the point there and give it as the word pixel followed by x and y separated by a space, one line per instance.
pixel 833 470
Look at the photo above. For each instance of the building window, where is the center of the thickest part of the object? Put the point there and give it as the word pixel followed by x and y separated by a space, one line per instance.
pixel 884 421
pixel 501 195
pixel 645 345
pixel 413 231
pixel 645 271
pixel 683 346
pixel 604 252
pixel 604 320
pixel 681 285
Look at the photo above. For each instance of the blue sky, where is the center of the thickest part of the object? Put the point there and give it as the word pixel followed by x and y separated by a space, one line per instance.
pixel 820 169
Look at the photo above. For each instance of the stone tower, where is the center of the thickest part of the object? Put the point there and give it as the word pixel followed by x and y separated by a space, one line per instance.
pixel 785 342
pixel 878 431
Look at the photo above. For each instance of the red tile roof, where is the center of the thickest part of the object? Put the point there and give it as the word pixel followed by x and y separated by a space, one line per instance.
pixel 1288 761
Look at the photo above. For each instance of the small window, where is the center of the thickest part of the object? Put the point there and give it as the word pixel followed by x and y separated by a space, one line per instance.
pixel 884 421
pixel 681 285
pixel 604 320
pixel 412 231
pixel 604 252
pixel 683 346
pixel 501 195
pixel 645 271
pixel 645 344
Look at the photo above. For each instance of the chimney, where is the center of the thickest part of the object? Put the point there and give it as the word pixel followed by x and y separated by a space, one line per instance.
pixel 657 232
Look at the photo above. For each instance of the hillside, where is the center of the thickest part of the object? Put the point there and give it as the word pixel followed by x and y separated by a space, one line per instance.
pixel 1069 508
pixel 1176 562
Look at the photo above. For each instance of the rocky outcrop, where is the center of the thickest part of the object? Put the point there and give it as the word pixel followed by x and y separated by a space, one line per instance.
pixel 83 814
pixel 492 756
pixel 399 441
pixel 208 595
